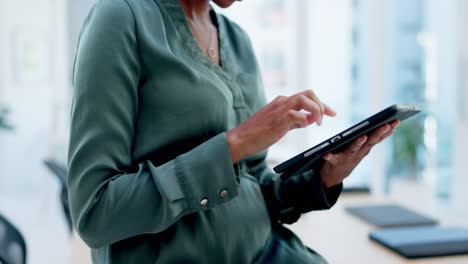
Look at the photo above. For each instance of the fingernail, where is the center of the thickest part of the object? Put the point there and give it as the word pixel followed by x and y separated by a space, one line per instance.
pixel 331 109
pixel 310 118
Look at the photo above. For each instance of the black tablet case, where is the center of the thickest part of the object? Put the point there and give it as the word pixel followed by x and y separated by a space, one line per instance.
pixel 312 157
pixel 423 241
pixel 390 215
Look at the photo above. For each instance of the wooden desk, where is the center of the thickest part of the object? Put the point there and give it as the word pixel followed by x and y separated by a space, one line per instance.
pixel 343 238
pixel 80 252
pixel 340 237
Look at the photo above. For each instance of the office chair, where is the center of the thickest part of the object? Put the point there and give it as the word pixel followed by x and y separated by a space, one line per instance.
pixel 12 244
pixel 61 173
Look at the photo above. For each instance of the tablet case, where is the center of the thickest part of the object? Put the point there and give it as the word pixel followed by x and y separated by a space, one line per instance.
pixel 313 156
pixel 390 216
pixel 427 241
pixel 357 189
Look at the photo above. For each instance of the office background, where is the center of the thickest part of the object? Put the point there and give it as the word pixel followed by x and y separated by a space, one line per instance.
pixel 359 56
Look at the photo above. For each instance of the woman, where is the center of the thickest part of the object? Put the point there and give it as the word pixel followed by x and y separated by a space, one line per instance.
pixel 169 136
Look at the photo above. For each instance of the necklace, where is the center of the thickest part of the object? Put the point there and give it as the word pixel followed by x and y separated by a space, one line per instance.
pixel 211 50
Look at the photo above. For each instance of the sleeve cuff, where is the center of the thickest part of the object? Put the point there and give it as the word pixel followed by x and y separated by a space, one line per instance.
pixel 316 196
pixel 331 194
pixel 206 174
pixel 304 193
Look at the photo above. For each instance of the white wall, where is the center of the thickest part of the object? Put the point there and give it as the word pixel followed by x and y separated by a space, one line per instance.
pixel 460 182
pixel 378 85
pixel 316 43
pixel 29 100
pixel 2 47
pixel 321 61
pixel 329 62
pixel 33 85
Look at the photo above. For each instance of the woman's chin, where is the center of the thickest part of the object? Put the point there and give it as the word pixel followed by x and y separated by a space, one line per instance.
pixel 224 3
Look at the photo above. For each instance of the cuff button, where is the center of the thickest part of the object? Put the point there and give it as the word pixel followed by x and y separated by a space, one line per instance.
pixel 204 202
pixel 223 194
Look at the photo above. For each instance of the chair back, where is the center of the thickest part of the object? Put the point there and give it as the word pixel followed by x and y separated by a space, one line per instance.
pixel 60 171
pixel 12 244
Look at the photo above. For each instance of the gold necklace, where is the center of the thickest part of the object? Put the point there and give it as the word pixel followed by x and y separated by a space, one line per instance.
pixel 211 51
pixel 211 48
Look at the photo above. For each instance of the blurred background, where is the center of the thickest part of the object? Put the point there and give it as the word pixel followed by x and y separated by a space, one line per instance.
pixel 359 56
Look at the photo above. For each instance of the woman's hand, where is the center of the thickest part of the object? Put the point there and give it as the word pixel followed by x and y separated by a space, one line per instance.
pixel 340 165
pixel 273 121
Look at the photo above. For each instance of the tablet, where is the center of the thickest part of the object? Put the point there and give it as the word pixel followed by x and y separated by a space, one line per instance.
pixel 390 215
pixel 340 141
pixel 425 241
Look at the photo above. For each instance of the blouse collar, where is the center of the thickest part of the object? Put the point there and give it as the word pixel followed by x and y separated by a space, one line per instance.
pixel 176 12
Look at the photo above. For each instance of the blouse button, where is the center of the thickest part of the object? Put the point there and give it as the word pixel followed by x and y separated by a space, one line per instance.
pixel 223 193
pixel 204 202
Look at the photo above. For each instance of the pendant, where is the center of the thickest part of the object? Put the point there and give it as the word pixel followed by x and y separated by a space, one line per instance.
pixel 212 53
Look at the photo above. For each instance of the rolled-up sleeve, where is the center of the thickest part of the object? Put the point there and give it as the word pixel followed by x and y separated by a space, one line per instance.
pixel 111 198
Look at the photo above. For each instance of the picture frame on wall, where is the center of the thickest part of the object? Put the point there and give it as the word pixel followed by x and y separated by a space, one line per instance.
pixel 31 56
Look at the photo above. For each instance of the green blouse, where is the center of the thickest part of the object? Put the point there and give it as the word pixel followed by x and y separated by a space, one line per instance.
pixel 150 172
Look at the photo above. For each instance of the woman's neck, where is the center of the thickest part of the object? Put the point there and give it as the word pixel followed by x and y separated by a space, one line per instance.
pixel 196 10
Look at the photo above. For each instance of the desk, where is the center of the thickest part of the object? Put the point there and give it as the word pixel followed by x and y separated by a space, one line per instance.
pixel 340 237
pixel 80 252
pixel 343 238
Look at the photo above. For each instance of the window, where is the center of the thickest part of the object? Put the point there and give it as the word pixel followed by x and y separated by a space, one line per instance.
pixel 331 47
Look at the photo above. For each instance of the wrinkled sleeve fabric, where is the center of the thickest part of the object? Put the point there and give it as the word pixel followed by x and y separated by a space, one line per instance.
pixel 111 197
pixel 299 193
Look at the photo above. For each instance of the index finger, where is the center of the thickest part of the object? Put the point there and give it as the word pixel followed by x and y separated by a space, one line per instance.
pixel 311 95
pixel 325 109
pixel 329 111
